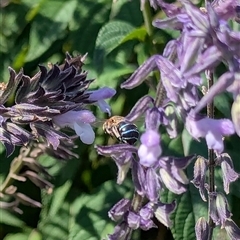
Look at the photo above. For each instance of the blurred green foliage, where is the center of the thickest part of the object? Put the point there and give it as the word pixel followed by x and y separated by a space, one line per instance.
pixel 116 39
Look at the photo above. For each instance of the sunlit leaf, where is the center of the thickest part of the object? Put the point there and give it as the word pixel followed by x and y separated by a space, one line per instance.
pixel 138 33
pixel 110 37
pixel 48 27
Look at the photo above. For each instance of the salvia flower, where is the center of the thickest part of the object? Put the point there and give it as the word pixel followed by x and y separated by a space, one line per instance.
pixel 171 172
pixel 221 214
pixel 150 171
pixel 212 129
pixel 150 149
pixel 99 96
pixel 200 169
pixel 80 121
pixel 202 229
pixel 58 96
pixel 229 174
pixel 232 229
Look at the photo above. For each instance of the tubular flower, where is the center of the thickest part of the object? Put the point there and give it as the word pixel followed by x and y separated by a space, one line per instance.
pixel 200 169
pixel 212 130
pixel 98 97
pixel 80 122
pixel 202 229
pixel 56 96
pixel 229 174
pixel 171 172
pixel 150 149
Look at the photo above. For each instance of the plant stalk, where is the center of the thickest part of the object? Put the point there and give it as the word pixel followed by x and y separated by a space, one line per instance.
pixel 211 177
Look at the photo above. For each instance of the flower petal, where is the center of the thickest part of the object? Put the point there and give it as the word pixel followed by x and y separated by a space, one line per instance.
pixel 85 132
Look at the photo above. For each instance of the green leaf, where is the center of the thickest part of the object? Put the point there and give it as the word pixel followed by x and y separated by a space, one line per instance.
pixel 175 147
pixel 110 37
pixel 128 11
pixel 116 7
pixel 28 234
pixel 56 226
pixel 138 33
pixel 2 148
pixel 48 27
pixel 192 146
pixel 84 216
pixel 63 182
pixel 183 218
pixel 11 27
pixel 10 219
pixel 17 236
pixel 34 235
pixel 59 197
pixel 92 221
pixel 223 104
pixel 112 71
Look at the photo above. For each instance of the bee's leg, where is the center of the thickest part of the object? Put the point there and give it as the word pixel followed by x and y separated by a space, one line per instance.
pixel 116 133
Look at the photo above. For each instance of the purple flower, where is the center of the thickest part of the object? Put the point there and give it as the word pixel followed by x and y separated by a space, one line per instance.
pixel 98 97
pixel 236 113
pixel 150 149
pixel 80 122
pixel 130 219
pixel 212 130
pixel 225 9
pixel 119 209
pixel 205 41
pixel 58 96
pixel 229 174
pixel 232 229
pixel 200 169
pixel 122 154
pixel 121 231
pixel 171 173
pixel 219 209
pixel 162 212
pixel 202 229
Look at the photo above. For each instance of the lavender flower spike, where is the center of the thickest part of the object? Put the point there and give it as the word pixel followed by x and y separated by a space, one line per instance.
pixel 55 96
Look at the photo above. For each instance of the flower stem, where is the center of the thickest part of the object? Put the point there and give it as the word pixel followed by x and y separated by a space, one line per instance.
pixel 161 92
pixel 147 18
pixel 15 168
pixel 210 114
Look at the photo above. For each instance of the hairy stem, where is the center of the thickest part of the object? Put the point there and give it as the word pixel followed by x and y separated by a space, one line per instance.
pixel 210 114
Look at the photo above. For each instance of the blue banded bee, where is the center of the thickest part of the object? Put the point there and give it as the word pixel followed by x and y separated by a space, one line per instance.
pixel 122 129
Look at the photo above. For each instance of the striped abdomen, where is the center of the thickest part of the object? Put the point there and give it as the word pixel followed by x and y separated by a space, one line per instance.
pixel 128 132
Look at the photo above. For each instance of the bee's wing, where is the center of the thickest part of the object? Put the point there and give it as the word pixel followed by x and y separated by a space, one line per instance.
pixel 98 123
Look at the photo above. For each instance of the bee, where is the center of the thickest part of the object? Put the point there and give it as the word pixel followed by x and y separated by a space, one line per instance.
pixel 122 129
